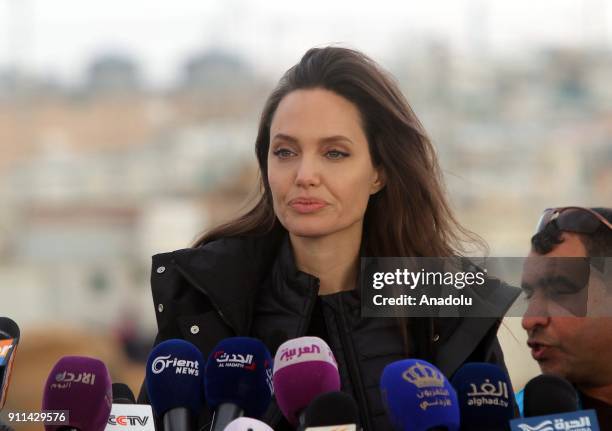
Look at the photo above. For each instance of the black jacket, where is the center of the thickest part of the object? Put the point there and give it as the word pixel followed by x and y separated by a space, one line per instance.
pixel 250 287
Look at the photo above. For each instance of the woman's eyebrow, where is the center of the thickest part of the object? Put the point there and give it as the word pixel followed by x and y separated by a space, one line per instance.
pixel 326 140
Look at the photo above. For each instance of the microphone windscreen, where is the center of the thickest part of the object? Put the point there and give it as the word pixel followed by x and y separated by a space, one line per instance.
pixel 247 424
pixel 122 394
pixel 9 339
pixel 331 408
pixel 417 396
pixel 484 393
pixel 173 377
pixel 82 386
pixel 239 371
pixel 304 368
pixel 547 394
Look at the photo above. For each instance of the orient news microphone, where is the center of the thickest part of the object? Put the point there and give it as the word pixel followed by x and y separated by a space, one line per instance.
pixel 485 397
pixel 82 386
pixel 418 397
pixel 9 339
pixel 247 424
pixel 304 368
pixel 551 402
pixel 126 414
pixel 174 383
pixel 332 409
pixel 238 380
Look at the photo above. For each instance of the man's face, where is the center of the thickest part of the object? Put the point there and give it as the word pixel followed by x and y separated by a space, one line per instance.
pixel 577 348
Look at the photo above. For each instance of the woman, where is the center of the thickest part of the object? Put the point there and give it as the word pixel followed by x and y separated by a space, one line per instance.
pixel 346 171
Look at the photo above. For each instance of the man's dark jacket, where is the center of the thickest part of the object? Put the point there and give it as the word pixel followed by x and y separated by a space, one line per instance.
pixel 250 287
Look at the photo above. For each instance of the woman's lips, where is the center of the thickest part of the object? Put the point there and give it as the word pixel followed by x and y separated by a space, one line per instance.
pixel 305 206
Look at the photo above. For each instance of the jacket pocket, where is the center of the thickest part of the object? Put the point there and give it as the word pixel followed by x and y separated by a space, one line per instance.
pixel 204 330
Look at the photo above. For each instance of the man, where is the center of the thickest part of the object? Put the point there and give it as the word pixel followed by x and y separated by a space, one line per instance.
pixel 569 327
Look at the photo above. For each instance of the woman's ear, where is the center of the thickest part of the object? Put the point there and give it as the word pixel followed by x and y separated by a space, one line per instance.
pixel 379 181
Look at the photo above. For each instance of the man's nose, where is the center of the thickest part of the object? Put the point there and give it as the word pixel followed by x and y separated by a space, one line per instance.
pixel 537 314
pixel 308 173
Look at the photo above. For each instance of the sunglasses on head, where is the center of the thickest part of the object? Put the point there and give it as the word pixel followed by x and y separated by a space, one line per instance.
pixel 573 219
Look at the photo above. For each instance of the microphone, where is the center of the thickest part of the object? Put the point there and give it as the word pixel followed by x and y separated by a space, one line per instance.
pixel 547 394
pixel 82 386
pixel 484 392
pixel 303 368
pixel 330 409
pixel 418 397
pixel 551 402
pixel 174 383
pixel 122 394
pixel 126 414
pixel 9 339
pixel 247 424
pixel 238 380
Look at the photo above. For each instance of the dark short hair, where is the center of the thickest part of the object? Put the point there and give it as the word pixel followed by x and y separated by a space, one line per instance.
pixel 597 244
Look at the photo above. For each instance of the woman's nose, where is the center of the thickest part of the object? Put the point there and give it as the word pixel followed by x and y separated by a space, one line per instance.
pixel 308 172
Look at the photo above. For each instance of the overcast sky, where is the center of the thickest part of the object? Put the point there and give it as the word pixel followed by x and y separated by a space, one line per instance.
pixel 59 37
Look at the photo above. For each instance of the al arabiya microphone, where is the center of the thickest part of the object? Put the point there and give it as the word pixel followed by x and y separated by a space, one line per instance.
pixel 174 382
pixel 418 397
pixel 485 397
pixel 9 339
pixel 304 368
pixel 126 415
pixel 332 409
pixel 551 402
pixel 238 380
pixel 247 424
pixel 82 386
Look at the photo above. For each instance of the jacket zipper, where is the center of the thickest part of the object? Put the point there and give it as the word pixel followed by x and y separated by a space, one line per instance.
pixel 352 363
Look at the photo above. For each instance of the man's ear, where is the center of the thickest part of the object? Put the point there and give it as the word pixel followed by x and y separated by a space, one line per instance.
pixel 379 182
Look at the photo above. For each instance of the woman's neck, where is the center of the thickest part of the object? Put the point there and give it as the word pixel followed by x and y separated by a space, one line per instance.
pixel 334 259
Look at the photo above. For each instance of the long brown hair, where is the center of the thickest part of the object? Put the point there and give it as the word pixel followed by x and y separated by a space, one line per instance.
pixel 410 216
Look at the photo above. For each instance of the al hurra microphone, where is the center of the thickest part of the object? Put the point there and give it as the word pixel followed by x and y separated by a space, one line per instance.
pixel 418 397
pixel 9 339
pixel 82 386
pixel 247 424
pixel 332 410
pixel 551 402
pixel 485 397
pixel 238 380
pixel 304 368
pixel 126 415
pixel 174 382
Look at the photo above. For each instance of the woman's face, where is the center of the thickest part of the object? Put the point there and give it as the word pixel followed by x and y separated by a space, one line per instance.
pixel 319 165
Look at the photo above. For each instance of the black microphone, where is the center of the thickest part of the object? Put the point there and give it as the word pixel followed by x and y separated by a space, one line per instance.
pixel 329 409
pixel 9 339
pixel 547 395
pixel 122 394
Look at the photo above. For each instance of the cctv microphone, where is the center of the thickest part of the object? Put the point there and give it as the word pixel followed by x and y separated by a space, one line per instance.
pixel 126 414
pixel 9 339
pixel 304 368
pixel 174 383
pixel 418 397
pixel 238 380
pixel 551 401
pixel 247 424
pixel 330 410
pixel 82 386
pixel 485 397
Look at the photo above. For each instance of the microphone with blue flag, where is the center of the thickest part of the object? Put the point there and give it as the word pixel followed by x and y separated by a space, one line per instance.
pixel 418 397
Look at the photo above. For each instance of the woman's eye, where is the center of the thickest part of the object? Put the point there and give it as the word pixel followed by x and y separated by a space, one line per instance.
pixel 283 153
pixel 335 154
